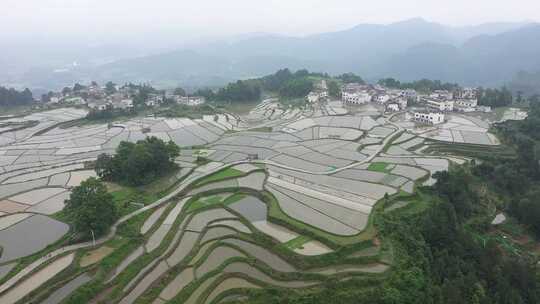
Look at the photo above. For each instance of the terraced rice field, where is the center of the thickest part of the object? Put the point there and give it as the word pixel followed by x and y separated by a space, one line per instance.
pixel 284 187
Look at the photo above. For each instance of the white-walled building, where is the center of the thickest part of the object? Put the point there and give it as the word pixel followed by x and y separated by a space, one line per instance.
pixel 383 98
pixel 409 93
pixel 466 103
pixel 190 100
pixel 441 94
pixel 429 118
pixel 466 93
pixel 313 97
pixel 442 106
pixel 392 107
pixel 356 97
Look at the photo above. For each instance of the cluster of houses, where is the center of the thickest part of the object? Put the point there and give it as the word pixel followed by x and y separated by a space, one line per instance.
pixel 98 98
pixel 392 99
pixel 460 100
pixel 428 109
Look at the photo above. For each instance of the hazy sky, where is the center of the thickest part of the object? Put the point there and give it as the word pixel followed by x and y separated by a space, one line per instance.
pixel 224 17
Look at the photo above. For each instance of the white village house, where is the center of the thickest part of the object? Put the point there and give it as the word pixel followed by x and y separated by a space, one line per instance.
pixel 429 118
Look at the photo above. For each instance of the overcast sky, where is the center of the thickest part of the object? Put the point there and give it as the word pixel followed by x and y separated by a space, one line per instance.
pixel 225 17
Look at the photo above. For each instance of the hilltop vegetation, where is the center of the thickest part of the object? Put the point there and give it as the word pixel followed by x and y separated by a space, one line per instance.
pixel 12 97
pixel 138 163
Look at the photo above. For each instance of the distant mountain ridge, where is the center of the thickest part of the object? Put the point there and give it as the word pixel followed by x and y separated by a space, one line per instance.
pixel 488 54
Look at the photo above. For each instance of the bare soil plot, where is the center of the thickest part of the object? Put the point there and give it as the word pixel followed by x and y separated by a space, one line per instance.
pixel 95 256
pixel 79 176
pixel 313 248
pixel 8 206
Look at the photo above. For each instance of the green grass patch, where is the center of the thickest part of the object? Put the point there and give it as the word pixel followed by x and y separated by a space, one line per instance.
pixel 297 243
pixel 215 199
pixel 220 175
pixel 379 167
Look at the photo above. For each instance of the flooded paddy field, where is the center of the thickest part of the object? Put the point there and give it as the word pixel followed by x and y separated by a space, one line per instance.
pixel 281 191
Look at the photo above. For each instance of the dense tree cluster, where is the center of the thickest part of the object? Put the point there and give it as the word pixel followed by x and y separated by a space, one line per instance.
pixel 350 78
pixel 138 163
pixel 12 97
pixel 240 91
pixel 110 88
pixel 143 93
pixel 495 97
pixel 90 208
pixel 422 85
pixel 517 179
pixel 296 88
pixel 333 88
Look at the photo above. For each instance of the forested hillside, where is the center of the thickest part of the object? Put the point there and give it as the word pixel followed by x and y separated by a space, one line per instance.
pixel 12 97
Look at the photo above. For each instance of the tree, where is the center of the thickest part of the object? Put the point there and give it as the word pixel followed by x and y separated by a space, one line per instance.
pixel 351 78
pixel 10 97
pixel 110 88
pixel 333 88
pixel 78 87
pixel 138 163
pixel 180 92
pixel 390 83
pixel 240 91
pixel 90 208
pixel 296 88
